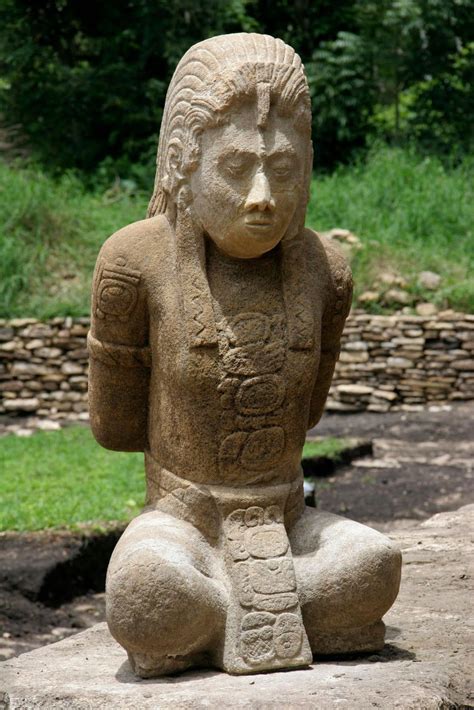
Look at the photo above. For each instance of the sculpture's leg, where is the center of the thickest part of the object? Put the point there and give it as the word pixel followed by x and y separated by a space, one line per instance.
pixel 348 577
pixel 165 603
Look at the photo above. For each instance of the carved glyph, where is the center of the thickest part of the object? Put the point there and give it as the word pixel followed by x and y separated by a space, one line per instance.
pixel 117 293
pixel 265 615
pixel 253 351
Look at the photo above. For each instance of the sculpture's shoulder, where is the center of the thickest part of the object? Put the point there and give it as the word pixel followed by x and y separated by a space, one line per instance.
pixel 332 269
pixel 136 246
pixel 328 257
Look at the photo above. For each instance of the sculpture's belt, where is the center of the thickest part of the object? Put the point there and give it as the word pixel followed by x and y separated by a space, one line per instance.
pixel 248 525
pixel 205 505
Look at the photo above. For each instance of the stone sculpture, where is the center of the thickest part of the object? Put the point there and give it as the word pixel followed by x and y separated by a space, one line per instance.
pixel 215 330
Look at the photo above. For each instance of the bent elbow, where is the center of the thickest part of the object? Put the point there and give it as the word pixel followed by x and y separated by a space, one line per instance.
pixel 118 436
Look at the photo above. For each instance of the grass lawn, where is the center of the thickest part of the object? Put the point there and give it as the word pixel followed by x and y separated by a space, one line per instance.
pixel 412 214
pixel 50 234
pixel 330 447
pixel 64 478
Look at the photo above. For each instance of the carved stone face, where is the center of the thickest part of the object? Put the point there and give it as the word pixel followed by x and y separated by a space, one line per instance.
pixel 249 182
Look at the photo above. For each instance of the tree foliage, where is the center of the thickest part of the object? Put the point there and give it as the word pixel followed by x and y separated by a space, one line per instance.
pixel 442 107
pixel 87 80
pixel 342 97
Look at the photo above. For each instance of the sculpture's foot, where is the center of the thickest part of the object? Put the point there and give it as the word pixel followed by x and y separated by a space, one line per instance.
pixel 152 665
pixel 360 640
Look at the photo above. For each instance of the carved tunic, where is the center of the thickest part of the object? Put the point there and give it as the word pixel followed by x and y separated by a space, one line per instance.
pixel 216 414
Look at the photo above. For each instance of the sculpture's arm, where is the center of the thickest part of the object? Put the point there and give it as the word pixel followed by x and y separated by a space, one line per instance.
pixel 337 307
pixel 119 356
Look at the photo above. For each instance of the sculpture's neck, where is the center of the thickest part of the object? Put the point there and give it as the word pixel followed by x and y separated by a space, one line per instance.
pixel 237 264
pixel 240 285
pixel 284 265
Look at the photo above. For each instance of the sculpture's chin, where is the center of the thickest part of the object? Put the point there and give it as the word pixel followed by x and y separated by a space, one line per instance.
pixel 250 245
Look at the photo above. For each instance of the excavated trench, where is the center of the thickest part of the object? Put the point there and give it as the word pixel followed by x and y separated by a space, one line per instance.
pixel 84 571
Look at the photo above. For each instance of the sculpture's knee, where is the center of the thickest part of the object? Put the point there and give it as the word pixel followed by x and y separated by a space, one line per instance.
pixel 155 605
pixel 375 584
pixel 357 589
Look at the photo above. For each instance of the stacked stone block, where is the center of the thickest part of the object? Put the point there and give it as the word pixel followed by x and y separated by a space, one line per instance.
pixel 387 362
pixel 43 368
pixel 403 362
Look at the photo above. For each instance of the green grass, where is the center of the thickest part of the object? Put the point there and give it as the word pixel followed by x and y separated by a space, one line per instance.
pixel 65 479
pixel 330 447
pixel 50 234
pixel 412 214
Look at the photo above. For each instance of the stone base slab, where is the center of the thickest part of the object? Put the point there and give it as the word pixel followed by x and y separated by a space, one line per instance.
pixel 424 665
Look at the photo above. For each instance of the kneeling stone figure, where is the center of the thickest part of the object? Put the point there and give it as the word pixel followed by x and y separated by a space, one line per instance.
pixel 216 325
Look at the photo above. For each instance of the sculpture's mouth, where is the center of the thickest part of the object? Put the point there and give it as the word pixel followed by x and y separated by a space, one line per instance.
pixel 259 224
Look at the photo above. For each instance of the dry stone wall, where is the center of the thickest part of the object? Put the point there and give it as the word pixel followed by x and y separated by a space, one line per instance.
pixel 387 362
pixel 43 367
pixel 404 362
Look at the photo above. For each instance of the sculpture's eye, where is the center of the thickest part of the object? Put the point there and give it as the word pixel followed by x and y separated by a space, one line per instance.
pixel 236 164
pixel 282 166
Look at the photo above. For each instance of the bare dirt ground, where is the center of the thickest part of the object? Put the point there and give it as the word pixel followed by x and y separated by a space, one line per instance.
pixel 422 465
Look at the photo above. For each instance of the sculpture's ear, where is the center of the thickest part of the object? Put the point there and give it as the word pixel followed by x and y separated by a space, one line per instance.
pixel 173 176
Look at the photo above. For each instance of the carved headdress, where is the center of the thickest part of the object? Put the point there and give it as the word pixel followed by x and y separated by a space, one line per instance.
pixel 207 81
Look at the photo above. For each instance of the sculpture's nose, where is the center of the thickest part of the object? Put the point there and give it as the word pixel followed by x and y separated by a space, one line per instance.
pixel 260 195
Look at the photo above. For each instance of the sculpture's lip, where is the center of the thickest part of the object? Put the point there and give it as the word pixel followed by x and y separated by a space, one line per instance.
pixel 259 224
